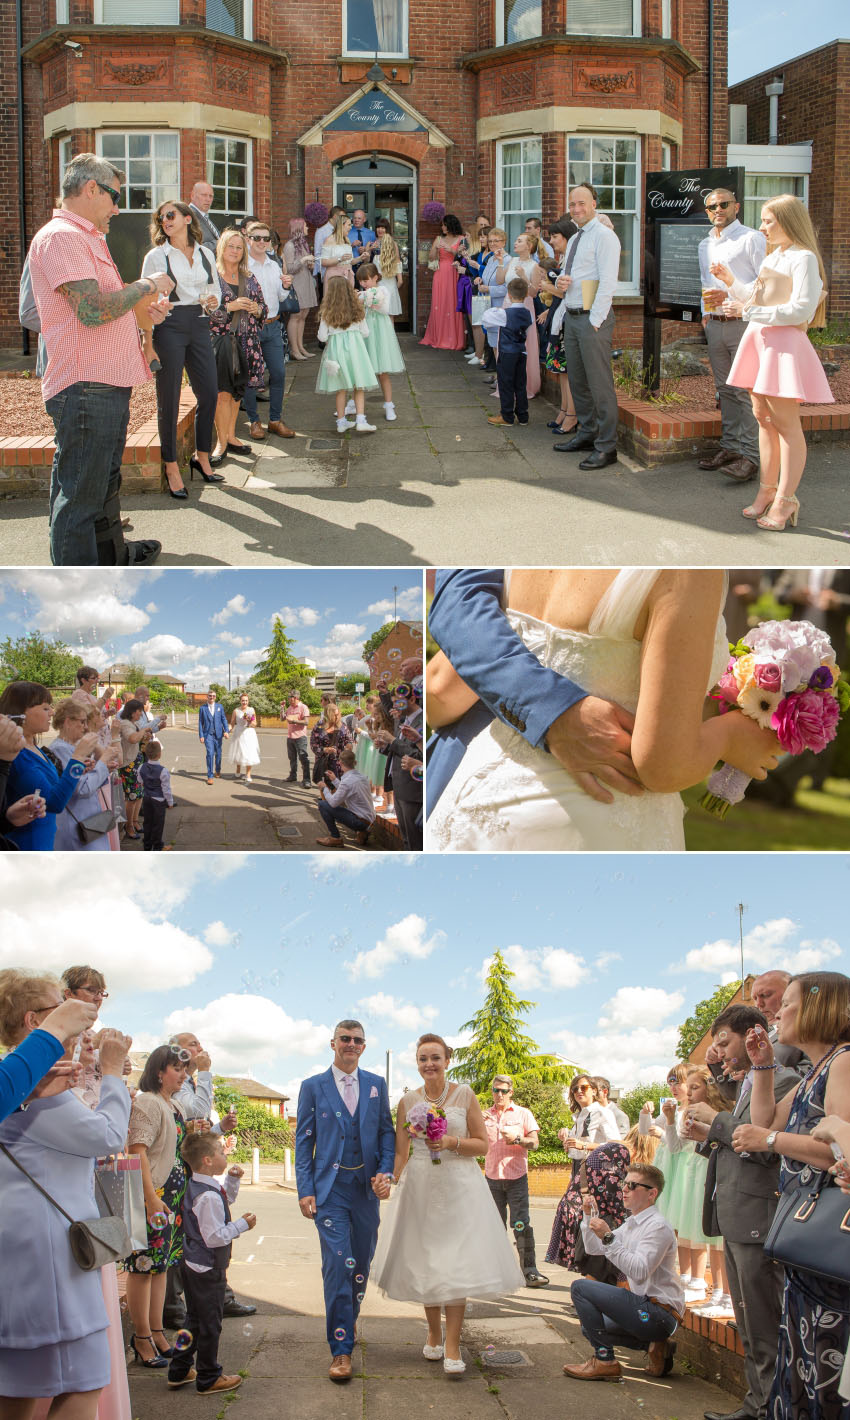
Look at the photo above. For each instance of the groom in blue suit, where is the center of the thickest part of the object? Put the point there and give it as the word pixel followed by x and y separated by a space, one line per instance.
pixel 344 1138
pixel 212 729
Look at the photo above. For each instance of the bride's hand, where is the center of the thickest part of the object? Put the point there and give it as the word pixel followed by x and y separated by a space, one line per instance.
pixel 748 747
pixel 446 1141
pixel 592 740
pixel 381 1186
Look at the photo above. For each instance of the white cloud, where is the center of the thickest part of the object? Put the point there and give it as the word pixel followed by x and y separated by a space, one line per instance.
pixel 152 608
pixel 403 1014
pixel 83 604
pixel 345 631
pixel 231 640
pixel 774 943
pixel 237 606
pixel 408 603
pixel 217 935
pixel 539 967
pixel 606 959
pixel 649 1004
pixel 164 652
pixel 296 616
pixel 625 1052
pixel 402 940
pixel 245 1031
pixel 338 655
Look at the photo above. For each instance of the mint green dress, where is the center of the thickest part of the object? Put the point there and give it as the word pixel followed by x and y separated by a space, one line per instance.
pixel 345 362
pixel 382 343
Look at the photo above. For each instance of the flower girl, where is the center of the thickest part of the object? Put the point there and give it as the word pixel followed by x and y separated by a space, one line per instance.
pixel 382 341
pixel 345 363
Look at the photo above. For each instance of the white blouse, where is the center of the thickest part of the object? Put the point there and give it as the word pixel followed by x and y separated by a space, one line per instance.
pixel 336 254
pixel 193 284
pixel 326 331
pixel 807 288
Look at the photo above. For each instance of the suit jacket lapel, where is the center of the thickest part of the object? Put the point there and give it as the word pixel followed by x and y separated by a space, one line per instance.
pixel 363 1103
pixel 332 1095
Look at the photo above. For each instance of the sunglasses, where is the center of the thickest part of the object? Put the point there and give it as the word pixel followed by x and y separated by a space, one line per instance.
pixel 169 215
pixel 357 1039
pixel 498 1090
pixel 114 193
pixel 713 206
pixel 630 1187
pixel 258 237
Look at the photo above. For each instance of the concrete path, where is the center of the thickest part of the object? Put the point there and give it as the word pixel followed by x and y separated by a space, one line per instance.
pixel 284 1356
pixel 442 487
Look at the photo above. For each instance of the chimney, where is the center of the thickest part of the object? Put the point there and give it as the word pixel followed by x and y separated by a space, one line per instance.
pixel 773 90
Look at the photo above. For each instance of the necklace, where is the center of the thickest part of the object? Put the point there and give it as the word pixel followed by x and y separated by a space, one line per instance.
pixel 441 1098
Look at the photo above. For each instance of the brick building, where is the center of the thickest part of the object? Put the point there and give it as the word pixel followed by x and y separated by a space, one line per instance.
pixel 811 107
pixel 384 104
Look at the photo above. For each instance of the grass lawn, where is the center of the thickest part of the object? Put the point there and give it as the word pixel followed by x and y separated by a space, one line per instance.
pixel 818 821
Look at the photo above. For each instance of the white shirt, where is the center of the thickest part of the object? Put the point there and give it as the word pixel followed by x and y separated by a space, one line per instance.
pixel 209 1211
pixel 192 283
pixel 597 259
pixel 353 792
pixel 340 1077
pixel 645 1248
pixel 270 277
pixel 740 248
pixel 322 234
pixel 806 289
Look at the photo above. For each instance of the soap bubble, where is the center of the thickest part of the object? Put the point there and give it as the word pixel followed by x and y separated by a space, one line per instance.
pixel 519 1227
pixel 360 1296
pixel 350 1263
pixel 339 1334
pixel 418 773
pixel 643 1316
pixel 360 1278
pixel 183 1340
pixel 158 1222
pixel 488 1350
pixel 328 1223
pixel 394 654
pixel 247 1329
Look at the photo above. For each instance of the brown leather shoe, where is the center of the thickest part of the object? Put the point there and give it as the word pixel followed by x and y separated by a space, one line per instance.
pixel 742 470
pixel 659 1361
pixel 594 1370
pixel 257 430
pixel 340 1369
pixel 331 842
pixel 276 426
pixel 717 460
pixel 223 1383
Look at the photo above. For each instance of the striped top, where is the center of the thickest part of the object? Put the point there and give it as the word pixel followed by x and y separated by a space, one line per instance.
pixel 70 248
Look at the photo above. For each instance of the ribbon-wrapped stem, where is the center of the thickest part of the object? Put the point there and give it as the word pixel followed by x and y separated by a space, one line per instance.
pixel 726 786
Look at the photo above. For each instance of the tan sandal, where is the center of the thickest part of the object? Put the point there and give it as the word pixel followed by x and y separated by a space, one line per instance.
pixel 771 524
pixel 752 511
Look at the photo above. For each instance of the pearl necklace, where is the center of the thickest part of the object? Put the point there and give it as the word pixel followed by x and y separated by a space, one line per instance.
pixel 441 1098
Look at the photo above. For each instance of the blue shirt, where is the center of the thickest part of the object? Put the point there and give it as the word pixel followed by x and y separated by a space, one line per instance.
pixel 30 770
pixel 23 1067
pixel 359 237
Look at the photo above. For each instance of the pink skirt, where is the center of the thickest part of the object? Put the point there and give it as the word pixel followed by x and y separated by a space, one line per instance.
pixel 780 360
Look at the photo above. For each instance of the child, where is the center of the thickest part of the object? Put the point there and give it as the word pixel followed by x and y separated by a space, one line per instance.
pixel 512 321
pixel 208 1233
pixel 345 362
pixel 156 782
pixel 382 341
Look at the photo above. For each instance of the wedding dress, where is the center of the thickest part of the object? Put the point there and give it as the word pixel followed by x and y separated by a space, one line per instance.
pixel 441 1237
pixel 508 796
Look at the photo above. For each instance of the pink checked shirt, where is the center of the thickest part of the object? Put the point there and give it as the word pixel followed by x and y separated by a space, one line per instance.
pixel 507 1160
pixel 70 248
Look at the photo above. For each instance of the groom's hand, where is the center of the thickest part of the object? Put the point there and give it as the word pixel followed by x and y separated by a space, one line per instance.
pixel 308 1206
pixel 593 741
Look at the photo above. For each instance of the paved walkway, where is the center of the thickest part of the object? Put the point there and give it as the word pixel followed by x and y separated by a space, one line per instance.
pixel 284 1357
pixel 442 487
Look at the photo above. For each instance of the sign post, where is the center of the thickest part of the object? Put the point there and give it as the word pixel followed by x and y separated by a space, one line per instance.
pixel 674 226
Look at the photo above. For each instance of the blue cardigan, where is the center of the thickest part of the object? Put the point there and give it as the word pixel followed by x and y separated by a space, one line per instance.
pixel 23 1067
pixel 29 771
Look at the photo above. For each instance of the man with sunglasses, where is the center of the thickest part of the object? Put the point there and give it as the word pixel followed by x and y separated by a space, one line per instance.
pixel 344 1143
pixel 512 1132
pixel 93 361
pixel 743 250
pixel 644 1248
pixel 275 287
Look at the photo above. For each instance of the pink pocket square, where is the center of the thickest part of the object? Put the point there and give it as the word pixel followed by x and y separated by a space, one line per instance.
pixel 373 1093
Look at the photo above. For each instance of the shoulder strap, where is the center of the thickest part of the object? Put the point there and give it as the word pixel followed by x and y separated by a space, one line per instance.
pixel 207 267
pixel 36 1185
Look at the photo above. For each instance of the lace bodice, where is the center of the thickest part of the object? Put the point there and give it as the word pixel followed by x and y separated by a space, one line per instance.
pixel 456 1124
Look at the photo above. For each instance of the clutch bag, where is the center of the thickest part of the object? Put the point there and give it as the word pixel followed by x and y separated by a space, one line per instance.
pixel 772 288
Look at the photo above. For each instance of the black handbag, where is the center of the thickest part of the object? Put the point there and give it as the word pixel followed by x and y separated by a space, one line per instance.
pixel 811 1229
pixel 95 1241
pixel 291 305
pixel 90 829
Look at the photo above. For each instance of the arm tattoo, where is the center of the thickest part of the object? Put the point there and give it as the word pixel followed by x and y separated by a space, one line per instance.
pixel 94 307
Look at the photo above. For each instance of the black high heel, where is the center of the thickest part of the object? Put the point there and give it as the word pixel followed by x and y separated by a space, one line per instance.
pixel 180 493
pixel 160 1352
pixel 156 1363
pixel 194 467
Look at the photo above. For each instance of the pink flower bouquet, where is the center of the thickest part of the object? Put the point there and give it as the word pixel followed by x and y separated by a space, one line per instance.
pixel 784 675
pixel 426 1121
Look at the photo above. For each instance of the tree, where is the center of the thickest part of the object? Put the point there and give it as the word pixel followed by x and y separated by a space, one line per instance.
pixel 220 690
pixel 345 684
pixel 33 657
pixel 279 666
pixel 135 675
pixel 498 1044
pixel 549 1107
pixel 377 639
pixel 631 1102
pixel 694 1028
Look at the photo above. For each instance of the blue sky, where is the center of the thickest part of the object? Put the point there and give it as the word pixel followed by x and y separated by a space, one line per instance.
pixel 765 35
pixel 261 954
pixel 189 623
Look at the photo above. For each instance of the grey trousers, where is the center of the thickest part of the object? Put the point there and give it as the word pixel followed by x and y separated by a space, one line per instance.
pixel 756 1285
pixel 588 357
pixel 740 432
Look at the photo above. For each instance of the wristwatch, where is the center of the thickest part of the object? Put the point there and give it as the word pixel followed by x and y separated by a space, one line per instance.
pixel 770 1140
pixel 607 1239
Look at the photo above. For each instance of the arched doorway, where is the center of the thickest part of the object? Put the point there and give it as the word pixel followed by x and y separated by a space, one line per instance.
pixel 385 187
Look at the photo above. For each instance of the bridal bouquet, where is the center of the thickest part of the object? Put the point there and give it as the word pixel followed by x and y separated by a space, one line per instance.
pixel 784 675
pixel 426 1121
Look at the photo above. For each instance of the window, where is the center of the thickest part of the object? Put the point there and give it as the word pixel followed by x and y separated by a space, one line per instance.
pixel 603 17
pixel 758 187
pixel 61 12
pixel 520 184
pixel 151 164
pixel 229 174
pixel 667 157
pixel 130 12
pixel 666 19
pixel 231 17
pixel 65 156
pixel 375 27
pixel 612 166
pixel 518 19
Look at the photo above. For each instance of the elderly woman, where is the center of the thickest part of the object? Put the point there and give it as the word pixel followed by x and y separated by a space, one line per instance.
pixel 73 721
pixel 157 1131
pixel 235 329
pixel 298 261
pixel 598 1170
pixel 37 1054
pixel 87 680
pixel 58 1350
pixel 132 737
pixel 33 770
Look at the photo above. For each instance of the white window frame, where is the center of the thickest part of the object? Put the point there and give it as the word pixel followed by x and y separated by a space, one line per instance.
pixel 637 19
pixel 62 8
pixel 249 168
pixel 248 18
pixel 139 11
pixel 666 19
pixel 666 156
pixel 788 178
pixel 65 156
pixel 124 164
pixel 500 24
pixel 402 53
pixel 515 138
pixel 632 287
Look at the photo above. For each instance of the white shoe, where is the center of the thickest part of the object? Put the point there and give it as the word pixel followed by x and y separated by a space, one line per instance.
pixel 389 411
pixel 351 407
pixel 695 1293
pixel 362 427
pixel 432 1353
pixel 342 425
pixel 452 1367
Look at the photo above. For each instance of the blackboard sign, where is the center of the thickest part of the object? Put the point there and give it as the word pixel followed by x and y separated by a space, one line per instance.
pixel 375 112
pixel 678 262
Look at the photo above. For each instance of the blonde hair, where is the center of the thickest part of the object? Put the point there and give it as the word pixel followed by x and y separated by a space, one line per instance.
pixel 497 232
pixel 333 718
pixel 641 1147
pixel 21 991
pixel 227 236
pixel 713 1096
pixel 474 241
pixel 793 217
pixel 337 233
pixel 340 308
pixel 70 709
pixel 389 256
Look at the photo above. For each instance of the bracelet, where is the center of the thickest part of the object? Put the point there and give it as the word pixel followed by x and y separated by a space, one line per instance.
pixel 774 1066
pixel 456 1149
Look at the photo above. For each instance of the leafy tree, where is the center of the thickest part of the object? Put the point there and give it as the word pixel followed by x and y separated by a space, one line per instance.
pixel 255 1126
pixel 220 690
pixel 377 639
pixel 549 1107
pixel 694 1028
pixel 279 665
pixel 135 675
pixel 166 697
pixel 345 684
pixel 33 657
pixel 498 1042
pixel 633 1099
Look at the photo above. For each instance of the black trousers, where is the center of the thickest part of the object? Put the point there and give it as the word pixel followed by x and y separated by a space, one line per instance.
pixel 511 1193
pixel 511 377
pixel 154 820
pixel 204 1292
pixel 409 815
pixel 183 342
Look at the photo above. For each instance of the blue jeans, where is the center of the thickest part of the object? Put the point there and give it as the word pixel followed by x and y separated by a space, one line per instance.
pixel 341 815
pixel 213 748
pixel 90 420
pixel 610 1317
pixel 271 339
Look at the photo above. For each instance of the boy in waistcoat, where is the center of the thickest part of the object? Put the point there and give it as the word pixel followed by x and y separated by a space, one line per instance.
pixel 156 782
pixel 511 321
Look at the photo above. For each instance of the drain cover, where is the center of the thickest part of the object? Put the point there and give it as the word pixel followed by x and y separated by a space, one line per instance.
pixel 505 1358
pixel 315 444
pixel 287 830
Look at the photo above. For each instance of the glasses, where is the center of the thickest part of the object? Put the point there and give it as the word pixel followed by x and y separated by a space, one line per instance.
pixel 259 237
pixel 114 193
pixel 39 1010
pixel 713 206
pixel 499 1090
pixel 95 991
pixel 357 1039
pixel 629 1186
pixel 169 216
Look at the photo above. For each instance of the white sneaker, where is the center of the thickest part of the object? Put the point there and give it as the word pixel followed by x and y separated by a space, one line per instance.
pixel 351 407
pixel 695 1293
pixel 389 411
pixel 432 1353
pixel 453 1367
pixel 362 427
pixel 342 425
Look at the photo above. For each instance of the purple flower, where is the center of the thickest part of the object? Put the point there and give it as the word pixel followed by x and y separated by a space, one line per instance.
pixel 797 647
pixel 821 679
pixel 806 721
pixel 316 213
pixel 433 212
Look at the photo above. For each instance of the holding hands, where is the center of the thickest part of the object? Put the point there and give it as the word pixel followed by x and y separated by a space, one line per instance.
pixel 381 1186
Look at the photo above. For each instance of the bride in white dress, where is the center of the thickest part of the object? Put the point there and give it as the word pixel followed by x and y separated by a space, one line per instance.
pixel 441 1238
pixel 244 747
pixel 653 642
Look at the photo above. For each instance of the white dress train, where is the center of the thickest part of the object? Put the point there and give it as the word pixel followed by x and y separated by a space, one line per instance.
pixel 243 747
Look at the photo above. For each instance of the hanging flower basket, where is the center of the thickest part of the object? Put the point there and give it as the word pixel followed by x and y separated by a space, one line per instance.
pixel 316 213
pixel 433 212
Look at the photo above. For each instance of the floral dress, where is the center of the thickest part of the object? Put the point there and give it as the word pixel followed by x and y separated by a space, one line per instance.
pixel 248 330
pixel 605 1167
pixel 321 740
pixel 165 1244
